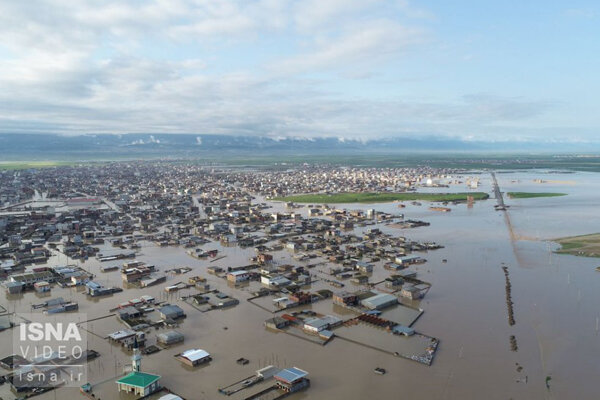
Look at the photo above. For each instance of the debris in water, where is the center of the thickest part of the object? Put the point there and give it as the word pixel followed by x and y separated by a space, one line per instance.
pixel 513 344
pixel 509 303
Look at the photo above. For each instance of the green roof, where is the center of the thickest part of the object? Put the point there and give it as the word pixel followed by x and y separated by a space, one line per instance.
pixel 139 379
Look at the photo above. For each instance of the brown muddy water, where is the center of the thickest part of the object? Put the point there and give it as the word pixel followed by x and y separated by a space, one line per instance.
pixel 555 309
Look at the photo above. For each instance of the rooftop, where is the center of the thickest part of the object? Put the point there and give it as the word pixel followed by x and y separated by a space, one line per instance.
pixel 380 299
pixel 139 379
pixel 290 375
pixel 171 308
pixel 401 329
pixel 237 273
pixel 170 396
pixel 195 354
pixel 170 335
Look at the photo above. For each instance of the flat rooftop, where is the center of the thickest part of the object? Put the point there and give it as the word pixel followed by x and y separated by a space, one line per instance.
pixel 291 375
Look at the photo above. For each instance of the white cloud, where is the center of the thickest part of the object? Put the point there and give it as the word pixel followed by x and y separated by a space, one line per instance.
pixel 366 43
pixel 311 15
pixel 213 66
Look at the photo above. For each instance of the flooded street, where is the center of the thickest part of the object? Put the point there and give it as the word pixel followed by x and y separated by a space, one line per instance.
pixel 555 300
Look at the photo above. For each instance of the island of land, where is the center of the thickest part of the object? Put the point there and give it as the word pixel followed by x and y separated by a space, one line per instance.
pixel 381 197
pixel 529 195
pixel 584 245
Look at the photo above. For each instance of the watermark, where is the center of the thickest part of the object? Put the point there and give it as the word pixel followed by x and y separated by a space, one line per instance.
pixel 50 351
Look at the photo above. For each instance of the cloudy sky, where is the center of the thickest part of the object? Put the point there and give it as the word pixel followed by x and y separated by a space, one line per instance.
pixel 481 70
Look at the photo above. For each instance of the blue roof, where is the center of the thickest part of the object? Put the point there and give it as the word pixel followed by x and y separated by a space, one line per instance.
pixel 291 374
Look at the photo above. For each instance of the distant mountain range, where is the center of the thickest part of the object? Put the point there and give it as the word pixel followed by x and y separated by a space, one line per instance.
pixel 20 146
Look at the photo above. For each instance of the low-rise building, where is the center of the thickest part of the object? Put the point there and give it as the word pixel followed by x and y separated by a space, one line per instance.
pixel 171 311
pixel 276 323
pixel 29 278
pixel 238 276
pixel 345 299
pixel 274 281
pixel 134 274
pixel 128 338
pixel 14 287
pixel 379 301
pixel 42 286
pixel 128 313
pixel 170 396
pixel 292 379
pixel 364 267
pixel 221 300
pixel 315 325
pixel 411 292
pixel 95 289
pixel 194 357
pixel 169 337
pixel 264 258
pixel 403 330
pixel 139 383
pixel 408 260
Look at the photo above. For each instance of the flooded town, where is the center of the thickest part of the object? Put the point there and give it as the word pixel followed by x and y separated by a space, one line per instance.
pixel 299 199
pixel 200 281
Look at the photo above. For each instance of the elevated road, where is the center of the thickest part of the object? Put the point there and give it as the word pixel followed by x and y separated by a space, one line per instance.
pixel 498 194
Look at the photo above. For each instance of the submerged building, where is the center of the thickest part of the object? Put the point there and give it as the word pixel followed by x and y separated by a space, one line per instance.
pixel 379 301
pixel 169 337
pixel 194 357
pixel 291 380
pixel 137 382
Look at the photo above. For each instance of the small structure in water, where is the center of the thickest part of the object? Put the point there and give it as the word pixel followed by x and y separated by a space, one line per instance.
pixel 138 382
pixel 291 380
pixel 194 357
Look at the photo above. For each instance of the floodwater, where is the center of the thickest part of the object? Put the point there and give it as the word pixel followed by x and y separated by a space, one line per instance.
pixel 555 308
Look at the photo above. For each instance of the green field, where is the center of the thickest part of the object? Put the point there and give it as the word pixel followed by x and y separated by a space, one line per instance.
pixel 381 197
pixel 585 245
pixel 33 164
pixel 529 195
